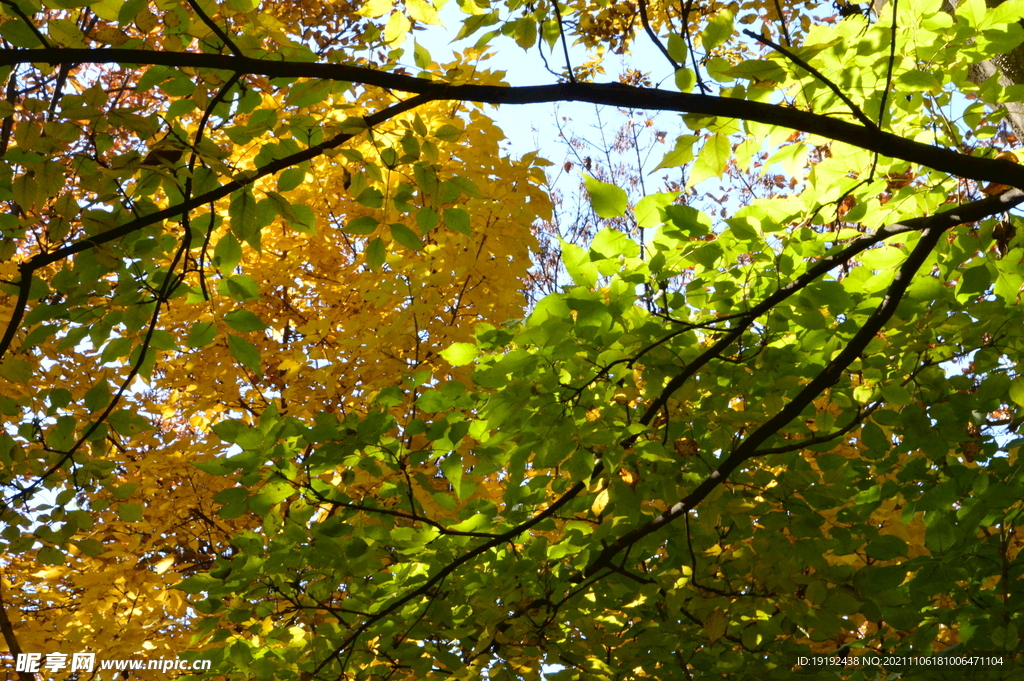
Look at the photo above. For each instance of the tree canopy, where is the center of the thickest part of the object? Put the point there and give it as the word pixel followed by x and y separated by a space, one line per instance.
pixel 303 372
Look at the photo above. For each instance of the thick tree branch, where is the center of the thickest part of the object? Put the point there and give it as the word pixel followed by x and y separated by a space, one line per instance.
pixel 611 94
pixel 10 638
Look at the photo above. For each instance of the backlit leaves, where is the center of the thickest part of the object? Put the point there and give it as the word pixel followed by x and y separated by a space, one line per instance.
pixel 270 428
pixel 607 200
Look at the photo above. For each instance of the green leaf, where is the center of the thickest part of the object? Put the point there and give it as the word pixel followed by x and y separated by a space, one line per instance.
pixel 362 226
pixel 227 254
pixel 197 583
pixel 98 396
pixel 758 70
pixel 677 48
pixel 742 229
pixel 231 495
pixel 371 197
pixel 241 287
pixel 305 220
pixel 457 219
pixel 451 466
pixel 681 154
pixel 459 354
pixel 525 32
pixel 356 547
pixel 611 243
pixel 973 11
pixel 128 11
pixel 420 55
pixel 685 80
pixel 649 209
pixel 246 353
pixel 242 213
pixel 18 33
pixel 290 179
pixel 49 555
pixel 1006 12
pixel 90 547
pixel 406 237
pixel 712 160
pixel 578 264
pixel 130 513
pixel 201 334
pixel 376 252
pixel 244 321
pixel 718 31
pixel 128 423
pixel 448 133
pixel 919 81
pixel 427 219
pixel 607 200
pixel 1017 390
pixel 16 370
pixel 941 536
pixel 886 547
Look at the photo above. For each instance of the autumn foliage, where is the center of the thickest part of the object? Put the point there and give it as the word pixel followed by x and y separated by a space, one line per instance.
pixel 303 371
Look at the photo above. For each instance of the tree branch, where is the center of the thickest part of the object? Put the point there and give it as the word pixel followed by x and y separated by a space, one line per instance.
pixel 930 236
pixel 969 212
pixel 448 569
pixel 611 94
pixel 856 110
pixel 10 638
pixel 218 31
pixel 645 20
pixel 44 259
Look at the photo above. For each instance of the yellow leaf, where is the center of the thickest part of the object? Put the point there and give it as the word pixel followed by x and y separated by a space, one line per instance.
pixel 111 36
pixel 424 11
pixel 600 502
pixel 396 28
pixel 376 8
pixel 164 565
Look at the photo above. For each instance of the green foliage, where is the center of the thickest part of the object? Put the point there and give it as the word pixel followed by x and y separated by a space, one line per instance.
pixel 265 405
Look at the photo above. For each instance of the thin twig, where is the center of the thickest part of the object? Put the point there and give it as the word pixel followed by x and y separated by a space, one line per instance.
pixel 654 36
pixel 24 17
pixel 565 44
pixel 782 22
pixel 889 70
pixel 856 110
pixel 825 379
pixel 220 33
pixel 8 125
pixel 685 10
